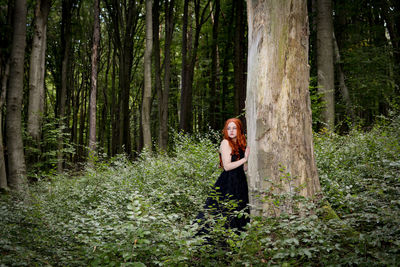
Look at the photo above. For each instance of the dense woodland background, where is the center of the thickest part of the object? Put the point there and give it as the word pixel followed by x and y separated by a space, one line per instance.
pixel 198 73
pixel 97 98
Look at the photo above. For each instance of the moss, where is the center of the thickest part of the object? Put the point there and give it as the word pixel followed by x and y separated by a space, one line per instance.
pixel 330 214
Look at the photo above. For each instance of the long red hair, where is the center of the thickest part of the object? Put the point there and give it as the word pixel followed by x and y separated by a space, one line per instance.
pixel 240 143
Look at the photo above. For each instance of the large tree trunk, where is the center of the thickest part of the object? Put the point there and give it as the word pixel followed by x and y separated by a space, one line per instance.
pixel 146 106
pixel 37 71
pixel 93 90
pixel 16 159
pixel 325 61
pixel 278 108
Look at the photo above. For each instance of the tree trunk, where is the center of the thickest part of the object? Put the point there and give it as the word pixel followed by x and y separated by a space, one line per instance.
pixel 239 66
pixel 114 110
pixel 65 48
pixel 37 71
pixel 123 31
pixel 189 57
pixel 342 84
pixel 163 93
pixel 157 65
pixel 3 174
pixel 169 29
pixel 325 61
pixel 183 116
pixel 146 106
pixel 16 159
pixel 93 90
pixel 278 108
pixel 214 83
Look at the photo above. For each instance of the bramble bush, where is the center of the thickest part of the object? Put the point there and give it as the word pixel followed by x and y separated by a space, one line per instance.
pixel 142 213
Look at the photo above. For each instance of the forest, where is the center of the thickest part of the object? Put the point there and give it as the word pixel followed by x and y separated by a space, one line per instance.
pixel 111 122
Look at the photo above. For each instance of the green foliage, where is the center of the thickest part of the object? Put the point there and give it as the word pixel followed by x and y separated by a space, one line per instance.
pixel 119 213
pixel 42 156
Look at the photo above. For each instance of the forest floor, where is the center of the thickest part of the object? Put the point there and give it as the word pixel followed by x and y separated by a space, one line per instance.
pixel 141 213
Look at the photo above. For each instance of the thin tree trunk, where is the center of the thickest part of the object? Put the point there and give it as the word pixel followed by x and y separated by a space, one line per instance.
pixel 93 91
pixel 114 110
pixel 104 137
pixel 342 83
pixel 124 45
pixel 157 65
pixel 278 108
pixel 169 29
pixel 16 159
pixel 3 174
pixel 189 62
pixel 146 106
pixel 239 66
pixel 183 121
pixel 214 83
pixel 325 61
pixel 37 71
pixel 65 44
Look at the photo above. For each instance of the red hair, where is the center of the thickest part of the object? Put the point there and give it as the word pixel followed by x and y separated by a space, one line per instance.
pixel 240 143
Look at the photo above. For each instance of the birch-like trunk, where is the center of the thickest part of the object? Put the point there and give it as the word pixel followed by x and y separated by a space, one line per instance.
pixel 16 158
pixel 146 106
pixel 278 109
pixel 37 71
pixel 325 67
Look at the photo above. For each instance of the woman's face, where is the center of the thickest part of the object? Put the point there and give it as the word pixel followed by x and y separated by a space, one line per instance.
pixel 232 130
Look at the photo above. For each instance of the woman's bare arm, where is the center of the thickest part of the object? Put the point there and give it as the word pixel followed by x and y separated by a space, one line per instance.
pixel 226 151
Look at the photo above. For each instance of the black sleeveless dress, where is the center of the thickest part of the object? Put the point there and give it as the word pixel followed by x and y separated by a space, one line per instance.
pixel 231 186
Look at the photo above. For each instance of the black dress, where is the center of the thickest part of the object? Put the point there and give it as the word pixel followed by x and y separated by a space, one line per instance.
pixel 231 187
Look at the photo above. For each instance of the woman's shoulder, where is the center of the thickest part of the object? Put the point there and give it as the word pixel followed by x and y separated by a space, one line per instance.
pixel 224 145
pixel 224 142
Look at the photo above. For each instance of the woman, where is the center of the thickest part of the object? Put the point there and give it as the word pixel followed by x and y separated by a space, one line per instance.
pixel 231 185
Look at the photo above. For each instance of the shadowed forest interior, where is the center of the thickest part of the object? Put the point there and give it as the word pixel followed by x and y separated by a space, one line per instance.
pixel 111 118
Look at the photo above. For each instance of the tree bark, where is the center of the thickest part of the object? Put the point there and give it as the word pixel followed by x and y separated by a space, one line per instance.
pixel 163 93
pixel 214 83
pixel 146 106
pixel 37 71
pixel 93 90
pixel 157 66
pixel 342 84
pixel 16 159
pixel 325 61
pixel 62 95
pixel 239 66
pixel 183 116
pixel 3 174
pixel 126 23
pixel 278 108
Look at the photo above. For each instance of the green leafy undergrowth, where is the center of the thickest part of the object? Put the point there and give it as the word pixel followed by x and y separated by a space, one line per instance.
pixel 142 213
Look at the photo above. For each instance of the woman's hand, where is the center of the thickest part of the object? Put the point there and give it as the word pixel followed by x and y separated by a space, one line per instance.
pixel 247 153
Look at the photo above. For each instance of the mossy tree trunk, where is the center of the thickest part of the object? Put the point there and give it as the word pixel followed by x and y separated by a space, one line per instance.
pixel 278 111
